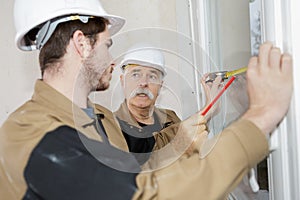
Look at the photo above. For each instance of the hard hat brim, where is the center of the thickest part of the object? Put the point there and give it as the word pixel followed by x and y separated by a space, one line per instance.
pixel 143 63
pixel 116 23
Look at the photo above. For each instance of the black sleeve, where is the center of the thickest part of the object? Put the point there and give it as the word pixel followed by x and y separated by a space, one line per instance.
pixel 61 167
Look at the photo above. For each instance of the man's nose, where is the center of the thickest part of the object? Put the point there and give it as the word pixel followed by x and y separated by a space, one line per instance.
pixel 143 82
pixel 112 62
pixel 113 65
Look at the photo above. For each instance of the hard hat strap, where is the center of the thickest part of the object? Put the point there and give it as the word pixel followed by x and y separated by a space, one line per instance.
pixel 128 65
pixel 49 27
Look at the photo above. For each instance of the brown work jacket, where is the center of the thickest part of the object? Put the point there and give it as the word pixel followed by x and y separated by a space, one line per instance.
pixel 238 148
pixel 165 117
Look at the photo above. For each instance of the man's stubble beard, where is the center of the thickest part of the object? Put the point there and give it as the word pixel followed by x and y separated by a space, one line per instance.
pixel 90 73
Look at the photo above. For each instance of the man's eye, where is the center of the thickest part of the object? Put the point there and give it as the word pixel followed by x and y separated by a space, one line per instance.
pixel 136 75
pixel 153 77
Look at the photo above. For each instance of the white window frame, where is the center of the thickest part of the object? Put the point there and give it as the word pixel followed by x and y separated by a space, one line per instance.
pixel 280 25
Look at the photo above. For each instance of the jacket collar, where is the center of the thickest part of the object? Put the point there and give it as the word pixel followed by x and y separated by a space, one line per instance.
pixel 123 114
pixel 63 108
pixel 111 126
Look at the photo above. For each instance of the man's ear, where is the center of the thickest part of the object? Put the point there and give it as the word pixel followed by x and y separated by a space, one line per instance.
pixel 122 80
pixel 81 43
pixel 159 89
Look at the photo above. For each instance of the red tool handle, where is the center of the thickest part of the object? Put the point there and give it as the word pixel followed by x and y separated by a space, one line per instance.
pixel 218 96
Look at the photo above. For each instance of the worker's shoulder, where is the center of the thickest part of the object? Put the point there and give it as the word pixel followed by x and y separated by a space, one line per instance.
pixel 30 119
pixel 170 113
pixel 166 110
pixel 30 110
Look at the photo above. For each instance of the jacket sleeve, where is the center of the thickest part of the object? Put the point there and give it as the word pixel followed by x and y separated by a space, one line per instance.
pixel 238 148
pixel 169 131
pixel 67 165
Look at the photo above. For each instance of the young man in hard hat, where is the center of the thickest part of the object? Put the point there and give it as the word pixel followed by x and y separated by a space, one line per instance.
pixel 143 71
pixel 51 149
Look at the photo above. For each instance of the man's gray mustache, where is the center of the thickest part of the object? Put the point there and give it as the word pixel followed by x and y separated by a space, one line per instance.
pixel 138 91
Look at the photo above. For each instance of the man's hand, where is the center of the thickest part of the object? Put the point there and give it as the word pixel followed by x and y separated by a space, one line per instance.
pixel 211 90
pixel 190 133
pixel 270 83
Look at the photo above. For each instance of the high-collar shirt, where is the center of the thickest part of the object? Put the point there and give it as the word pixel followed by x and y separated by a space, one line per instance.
pixel 131 128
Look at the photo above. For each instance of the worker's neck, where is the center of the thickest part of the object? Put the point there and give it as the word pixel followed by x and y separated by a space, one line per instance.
pixel 142 115
pixel 70 86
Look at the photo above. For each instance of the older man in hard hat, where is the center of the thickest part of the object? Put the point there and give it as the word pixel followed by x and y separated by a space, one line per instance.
pixel 143 70
pixel 51 148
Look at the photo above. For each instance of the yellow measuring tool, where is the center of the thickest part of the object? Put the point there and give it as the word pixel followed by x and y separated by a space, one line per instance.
pixel 225 74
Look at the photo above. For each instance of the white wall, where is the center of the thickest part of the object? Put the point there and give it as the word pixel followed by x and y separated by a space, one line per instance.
pixel 235 33
pixel 165 23
pixel 18 69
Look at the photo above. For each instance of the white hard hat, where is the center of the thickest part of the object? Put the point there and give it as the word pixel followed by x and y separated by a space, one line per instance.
pixel 145 55
pixel 29 14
